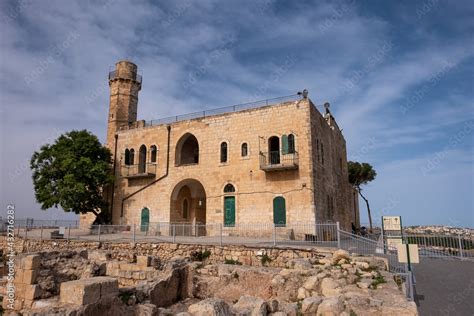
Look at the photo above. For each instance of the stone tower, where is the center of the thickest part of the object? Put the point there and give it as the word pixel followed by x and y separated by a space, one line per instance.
pixel 124 85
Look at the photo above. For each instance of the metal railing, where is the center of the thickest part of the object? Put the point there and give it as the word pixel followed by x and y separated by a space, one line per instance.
pixel 146 169
pixel 430 245
pixel 223 110
pixel 265 234
pixel 131 76
pixel 278 160
pixel 32 223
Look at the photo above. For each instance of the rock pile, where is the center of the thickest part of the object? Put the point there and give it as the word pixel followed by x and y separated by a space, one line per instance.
pixel 91 283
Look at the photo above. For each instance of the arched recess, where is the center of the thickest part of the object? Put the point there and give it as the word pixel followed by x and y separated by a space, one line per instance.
pixel 187 150
pixel 142 159
pixel 188 196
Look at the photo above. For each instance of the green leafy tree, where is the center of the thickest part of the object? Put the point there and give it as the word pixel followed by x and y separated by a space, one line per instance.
pixel 72 173
pixel 361 174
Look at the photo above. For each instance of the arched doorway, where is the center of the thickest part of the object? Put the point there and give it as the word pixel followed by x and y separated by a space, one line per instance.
pixel 145 219
pixel 188 208
pixel 279 211
pixel 274 150
pixel 187 150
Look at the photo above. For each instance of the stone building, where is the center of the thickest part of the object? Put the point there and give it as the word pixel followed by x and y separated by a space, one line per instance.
pixel 276 161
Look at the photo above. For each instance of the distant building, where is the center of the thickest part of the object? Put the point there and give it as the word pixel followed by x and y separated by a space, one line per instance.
pixel 279 162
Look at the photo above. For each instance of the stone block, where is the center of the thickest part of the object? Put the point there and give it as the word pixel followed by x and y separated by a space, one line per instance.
pixel 29 276
pixel 108 286
pixel 31 262
pixel 32 292
pixel 97 255
pixel 143 261
pixel 88 291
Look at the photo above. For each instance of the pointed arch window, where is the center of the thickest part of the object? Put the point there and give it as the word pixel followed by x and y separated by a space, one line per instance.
pixel 291 144
pixel 244 150
pixel 132 157
pixel 142 159
pixel 153 153
pixel 223 152
pixel 127 157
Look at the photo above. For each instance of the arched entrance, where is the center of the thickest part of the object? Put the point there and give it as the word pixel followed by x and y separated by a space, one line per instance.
pixel 188 208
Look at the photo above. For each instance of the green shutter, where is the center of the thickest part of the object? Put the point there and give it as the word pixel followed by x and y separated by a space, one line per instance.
pixel 279 211
pixel 284 144
pixel 229 211
pixel 145 219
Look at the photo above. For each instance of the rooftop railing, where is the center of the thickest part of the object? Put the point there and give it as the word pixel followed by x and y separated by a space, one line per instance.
pixel 223 110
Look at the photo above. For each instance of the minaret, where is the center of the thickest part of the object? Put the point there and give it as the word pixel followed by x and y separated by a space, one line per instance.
pixel 124 85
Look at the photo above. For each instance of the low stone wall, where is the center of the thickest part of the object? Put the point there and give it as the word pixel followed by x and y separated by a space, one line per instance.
pixel 255 256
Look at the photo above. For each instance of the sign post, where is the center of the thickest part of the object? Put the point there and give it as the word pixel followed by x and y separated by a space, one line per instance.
pixel 392 231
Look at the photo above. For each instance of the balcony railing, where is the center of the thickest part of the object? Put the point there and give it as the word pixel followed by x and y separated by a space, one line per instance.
pixel 131 76
pixel 147 170
pixel 277 161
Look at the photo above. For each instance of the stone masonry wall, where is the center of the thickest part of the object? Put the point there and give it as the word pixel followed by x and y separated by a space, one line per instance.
pixel 255 189
pixel 280 257
pixel 333 194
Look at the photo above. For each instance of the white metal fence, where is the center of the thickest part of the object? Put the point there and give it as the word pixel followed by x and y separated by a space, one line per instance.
pixel 246 233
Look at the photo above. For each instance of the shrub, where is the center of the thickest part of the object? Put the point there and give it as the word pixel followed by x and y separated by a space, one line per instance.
pixel 265 259
pixel 232 261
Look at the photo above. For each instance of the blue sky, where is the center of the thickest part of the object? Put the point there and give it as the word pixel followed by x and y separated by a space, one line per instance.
pixel 398 75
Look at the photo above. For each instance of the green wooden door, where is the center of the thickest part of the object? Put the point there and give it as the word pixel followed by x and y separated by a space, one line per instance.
pixel 279 211
pixel 229 211
pixel 145 219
